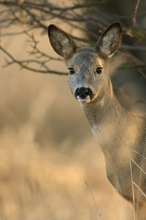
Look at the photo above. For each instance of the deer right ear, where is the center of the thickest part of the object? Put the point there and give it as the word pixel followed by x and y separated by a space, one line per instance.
pixel 61 42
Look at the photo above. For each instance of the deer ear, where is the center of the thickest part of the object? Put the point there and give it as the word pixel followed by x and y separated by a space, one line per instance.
pixel 61 42
pixel 110 41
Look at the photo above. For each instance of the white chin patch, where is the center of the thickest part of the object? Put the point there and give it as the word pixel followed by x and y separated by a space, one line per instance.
pixel 85 100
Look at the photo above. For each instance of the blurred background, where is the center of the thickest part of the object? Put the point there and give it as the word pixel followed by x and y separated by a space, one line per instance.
pixel 50 165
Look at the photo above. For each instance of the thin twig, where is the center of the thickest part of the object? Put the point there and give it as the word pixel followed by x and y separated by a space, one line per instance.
pixel 143 171
pixel 134 20
pixel 139 154
pixel 93 197
pixel 133 192
pixel 139 189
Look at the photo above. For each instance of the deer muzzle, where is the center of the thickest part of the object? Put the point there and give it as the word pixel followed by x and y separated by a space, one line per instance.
pixel 84 94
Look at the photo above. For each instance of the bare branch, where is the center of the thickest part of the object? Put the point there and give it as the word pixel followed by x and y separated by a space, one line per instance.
pixel 132 48
pixel 34 15
pixel 24 64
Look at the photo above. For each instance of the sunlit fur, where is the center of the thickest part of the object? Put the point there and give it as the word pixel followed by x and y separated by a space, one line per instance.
pixel 118 132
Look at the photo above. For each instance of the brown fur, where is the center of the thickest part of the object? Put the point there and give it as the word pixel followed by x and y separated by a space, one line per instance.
pixel 119 132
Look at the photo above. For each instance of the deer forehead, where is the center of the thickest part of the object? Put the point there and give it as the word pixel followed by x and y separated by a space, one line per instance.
pixel 87 58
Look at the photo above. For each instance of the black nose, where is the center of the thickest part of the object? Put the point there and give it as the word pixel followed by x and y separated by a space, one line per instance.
pixel 83 93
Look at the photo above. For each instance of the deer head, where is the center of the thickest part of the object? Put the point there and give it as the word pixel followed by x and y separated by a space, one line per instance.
pixel 88 77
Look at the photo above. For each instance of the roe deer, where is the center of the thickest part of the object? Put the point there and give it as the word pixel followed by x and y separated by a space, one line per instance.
pixel 120 132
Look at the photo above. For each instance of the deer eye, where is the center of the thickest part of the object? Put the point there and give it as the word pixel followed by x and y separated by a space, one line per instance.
pixel 99 70
pixel 71 71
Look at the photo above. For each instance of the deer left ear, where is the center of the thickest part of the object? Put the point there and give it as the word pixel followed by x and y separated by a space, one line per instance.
pixel 61 42
pixel 110 41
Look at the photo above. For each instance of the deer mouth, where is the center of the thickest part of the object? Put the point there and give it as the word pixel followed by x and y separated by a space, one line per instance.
pixel 84 95
pixel 84 100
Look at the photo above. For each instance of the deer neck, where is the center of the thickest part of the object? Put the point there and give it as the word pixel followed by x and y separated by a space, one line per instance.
pixel 114 128
pixel 105 113
pixel 118 133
